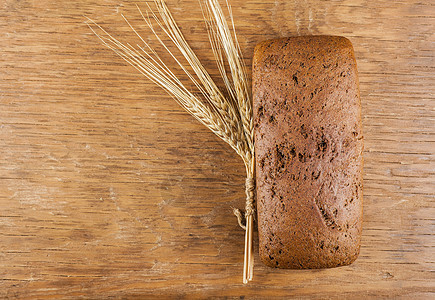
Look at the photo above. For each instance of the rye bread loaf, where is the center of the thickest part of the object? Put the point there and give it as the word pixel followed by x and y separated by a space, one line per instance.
pixel 308 147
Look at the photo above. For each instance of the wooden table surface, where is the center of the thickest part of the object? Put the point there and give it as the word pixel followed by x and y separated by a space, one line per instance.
pixel 110 190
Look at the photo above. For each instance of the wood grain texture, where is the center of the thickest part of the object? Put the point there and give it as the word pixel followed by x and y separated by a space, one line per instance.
pixel 109 189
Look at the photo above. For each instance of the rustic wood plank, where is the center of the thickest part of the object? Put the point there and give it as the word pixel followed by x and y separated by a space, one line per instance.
pixel 108 189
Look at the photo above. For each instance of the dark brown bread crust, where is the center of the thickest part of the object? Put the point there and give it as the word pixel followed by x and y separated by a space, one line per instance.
pixel 308 145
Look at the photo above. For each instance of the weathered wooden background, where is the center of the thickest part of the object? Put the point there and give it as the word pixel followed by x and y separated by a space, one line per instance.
pixel 109 189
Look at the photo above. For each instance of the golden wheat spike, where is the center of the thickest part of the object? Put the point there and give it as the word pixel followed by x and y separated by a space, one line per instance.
pixel 220 36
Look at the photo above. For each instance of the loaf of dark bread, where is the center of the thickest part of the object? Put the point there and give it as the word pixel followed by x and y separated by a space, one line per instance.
pixel 308 148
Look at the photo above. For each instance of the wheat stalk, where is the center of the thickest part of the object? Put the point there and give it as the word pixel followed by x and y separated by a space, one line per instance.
pixel 230 118
pixel 221 40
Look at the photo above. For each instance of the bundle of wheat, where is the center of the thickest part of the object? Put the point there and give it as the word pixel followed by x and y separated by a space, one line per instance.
pixel 229 117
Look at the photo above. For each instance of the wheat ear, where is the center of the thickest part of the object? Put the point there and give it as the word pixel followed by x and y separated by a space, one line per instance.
pixel 224 45
pixel 230 118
